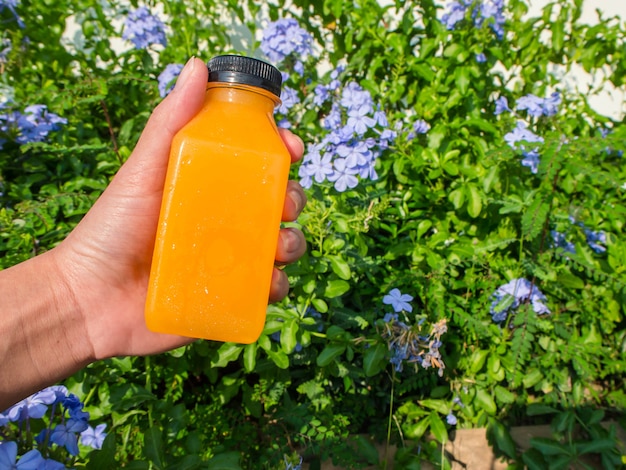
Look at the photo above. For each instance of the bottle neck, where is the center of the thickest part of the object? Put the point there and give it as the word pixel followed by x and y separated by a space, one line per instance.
pixel 244 95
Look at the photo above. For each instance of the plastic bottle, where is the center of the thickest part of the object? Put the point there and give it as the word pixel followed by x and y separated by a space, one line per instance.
pixel 221 212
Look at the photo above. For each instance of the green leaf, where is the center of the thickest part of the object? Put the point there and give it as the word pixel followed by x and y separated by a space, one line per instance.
pixel 374 359
pixel 440 406
pixel 537 409
pixel 534 218
pixel 477 361
pixel 534 460
pixel 153 447
pixel 474 201
pixel 225 461
pixel 249 356
pixel 485 401
pixel 438 428
pixel 503 395
pixel 288 334
pixel 549 446
pixel 340 267
pixel 320 305
pixel 336 288
pixel 457 198
pixel 227 352
pixel 417 430
pixel 329 354
pixel 570 280
pixel 533 377
pixel 596 446
pixel 462 79
pixel 502 438
pixel 279 358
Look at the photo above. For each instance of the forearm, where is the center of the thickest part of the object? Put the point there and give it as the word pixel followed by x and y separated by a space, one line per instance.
pixel 42 329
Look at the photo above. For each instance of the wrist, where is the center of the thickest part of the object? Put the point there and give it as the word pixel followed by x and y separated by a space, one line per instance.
pixel 43 329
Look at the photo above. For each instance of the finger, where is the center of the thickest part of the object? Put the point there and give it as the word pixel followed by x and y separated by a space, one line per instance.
pixel 280 286
pixel 293 143
pixel 295 199
pixel 291 246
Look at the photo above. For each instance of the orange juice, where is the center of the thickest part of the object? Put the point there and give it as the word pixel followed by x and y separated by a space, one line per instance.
pixel 221 211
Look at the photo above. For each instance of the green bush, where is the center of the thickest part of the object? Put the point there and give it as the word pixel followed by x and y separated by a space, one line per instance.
pixel 504 240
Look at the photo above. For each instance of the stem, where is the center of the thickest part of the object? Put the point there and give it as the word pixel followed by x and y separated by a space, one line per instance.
pixel 149 388
pixel 116 149
pixel 393 385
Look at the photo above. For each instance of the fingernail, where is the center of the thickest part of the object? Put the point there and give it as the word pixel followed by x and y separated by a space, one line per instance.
pixel 185 73
pixel 299 198
pixel 291 241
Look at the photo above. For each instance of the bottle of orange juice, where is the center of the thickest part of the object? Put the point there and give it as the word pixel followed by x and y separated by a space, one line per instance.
pixel 221 210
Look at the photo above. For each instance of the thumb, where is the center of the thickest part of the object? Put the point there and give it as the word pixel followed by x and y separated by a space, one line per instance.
pixel 152 151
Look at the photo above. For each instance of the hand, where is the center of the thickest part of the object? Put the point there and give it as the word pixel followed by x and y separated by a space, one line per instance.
pixel 106 260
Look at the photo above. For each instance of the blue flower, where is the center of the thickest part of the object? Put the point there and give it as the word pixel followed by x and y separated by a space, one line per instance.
pixel 144 29
pixel 50 464
pixel 289 98
pixel 489 11
pixel 359 119
pixel 31 460
pixel 451 419
pixel 33 125
pixel 419 127
pixel 166 78
pixel 93 437
pixel 596 240
pixel 31 407
pixel 502 105
pixel 321 95
pixel 284 38
pixel 63 435
pixel 390 317
pixel 521 134
pixel 512 294
pixel 481 58
pixel 343 176
pixel 538 107
pixel 560 241
pixel 531 160
pixel 320 167
pixel 398 300
pixel 456 13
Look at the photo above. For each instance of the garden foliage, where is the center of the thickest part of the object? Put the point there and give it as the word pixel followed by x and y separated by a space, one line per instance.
pixel 466 263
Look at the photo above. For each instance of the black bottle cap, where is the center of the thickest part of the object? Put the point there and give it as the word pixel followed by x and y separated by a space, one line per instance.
pixel 245 71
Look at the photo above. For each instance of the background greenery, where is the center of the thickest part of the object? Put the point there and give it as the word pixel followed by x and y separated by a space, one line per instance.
pixel 452 216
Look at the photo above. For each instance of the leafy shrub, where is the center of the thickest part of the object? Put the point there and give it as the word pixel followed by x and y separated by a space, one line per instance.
pixel 465 220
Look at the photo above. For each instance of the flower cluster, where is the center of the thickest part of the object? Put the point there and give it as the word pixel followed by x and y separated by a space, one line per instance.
pixel 53 440
pixel 595 239
pixel 490 12
pixel 144 29
pixel 407 343
pixel 535 107
pixel 357 133
pixel 33 125
pixel 285 39
pixel 166 78
pixel 511 295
